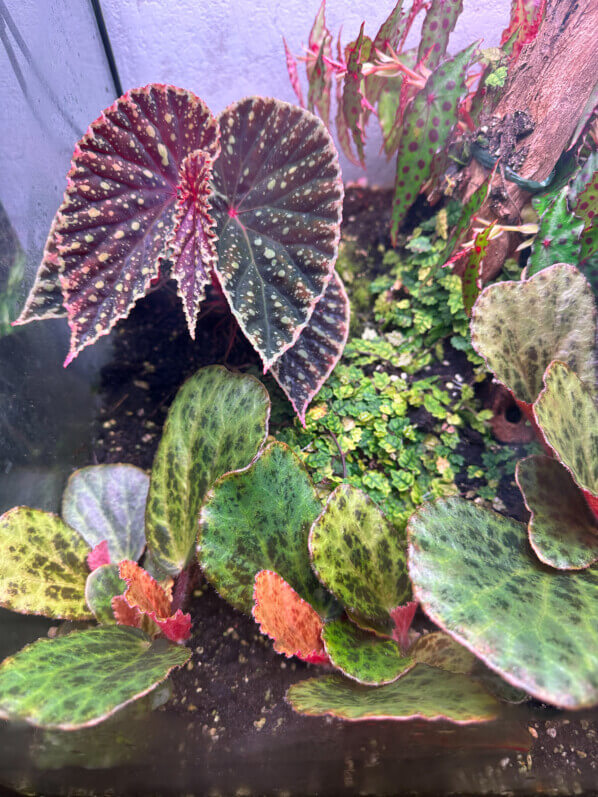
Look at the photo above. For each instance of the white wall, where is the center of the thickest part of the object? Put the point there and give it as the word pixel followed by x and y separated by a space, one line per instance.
pixel 227 49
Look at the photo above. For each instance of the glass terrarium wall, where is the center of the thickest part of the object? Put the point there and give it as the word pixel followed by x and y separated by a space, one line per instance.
pixel 54 79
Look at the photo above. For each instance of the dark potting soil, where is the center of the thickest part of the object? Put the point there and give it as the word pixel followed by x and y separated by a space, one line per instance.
pixel 228 729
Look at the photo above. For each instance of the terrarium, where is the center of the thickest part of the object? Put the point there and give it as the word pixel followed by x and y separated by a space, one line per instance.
pixel 299 482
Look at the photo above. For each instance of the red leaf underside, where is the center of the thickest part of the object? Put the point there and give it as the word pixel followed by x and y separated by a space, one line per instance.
pixel 402 617
pixel 98 556
pixel 303 369
pixel 286 618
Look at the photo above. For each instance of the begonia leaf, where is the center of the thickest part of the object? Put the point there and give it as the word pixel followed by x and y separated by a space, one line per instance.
pixel 351 99
pixel 360 558
pixel 468 211
pixel 78 680
pixel 303 369
pixel 402 617
pixel 116 223
pixel 103 584
pixel 98 556
pixel 437 27
pixel 45 299
pixel 557 240
pixel 568 417
pixel 343 134
pixel 440 650
pixel 427 125
pixel 217 423
pixel 471 280
pixel 293 73
pixel 586 208
pixel 562 529
pixel 520 327
pixel 43 565
pixel 106 503
pixel 475 577
pixel 424 693
pixel 286 618
pixel 318 73
pixel 259 519
pixel 362 656
pixel 278 204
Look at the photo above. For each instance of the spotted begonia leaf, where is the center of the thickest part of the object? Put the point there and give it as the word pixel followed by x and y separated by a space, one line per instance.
pixel 78 680
pixel 116 221
pixel 468 211
pixel 360 558
pixel 278 203
pixel 303 369
pixel 520 327
pixel 351 100
pixel 103 585
pixel 318 73
pixel 562 529
pixel 526 16
pixel 362 656
pixel 427 125
pixel 148 600
pixel 440 650
pixel 286 618
pixel 45 299
pixel 424 693
pixel 259 519
pixel 471 281
pixel 43 565
pixel 475 577
pixel 217 423
pixel 558 238
pixel 586 208
pixel 343 134
pixel 437 27
pixel 106 503
pixel 293 73
pixel 567 414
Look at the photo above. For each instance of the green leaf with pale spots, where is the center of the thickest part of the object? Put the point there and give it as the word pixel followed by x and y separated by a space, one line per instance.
pixel 259 519
pixel 116 223
pixel 364 657
pixel 437 26
pixel 360 558
pixel 519 328
pixel 567 414
pixel 427 125
pixel 278 203
pixel 562 529
pixel 303 369
pixel 558 238
pixel 102 585
pixel 471 282
pixel 78 680
pixel 424 693
pixel 475 577
pixel 440 650
pixel 107 503
pixel 351 99
pixel 43 565
pixel 217 423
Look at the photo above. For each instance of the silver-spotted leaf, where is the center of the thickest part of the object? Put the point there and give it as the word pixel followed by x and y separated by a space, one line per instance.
pixel 303 369
pixel 424 693
pixel 437 26
pixel 519 328
pixel 217 423
pixel 474 575
pixel 352 98
pixel 360 558
pixel 318 72
pixel 568 417
pixel 43 565
pixel 558 238
pixel 78 680
pixel 45 299
pixel 117 218
pixel 362 656
pixel 471 280
pixel 562 529
pixel 278 203
pixel 106 503
pixel 259 519
pixel 102 585
pixel 427 125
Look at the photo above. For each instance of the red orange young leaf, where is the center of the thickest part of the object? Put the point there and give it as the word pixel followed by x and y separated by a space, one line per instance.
pixel 98 556
pixel 286 618
pixel 402 616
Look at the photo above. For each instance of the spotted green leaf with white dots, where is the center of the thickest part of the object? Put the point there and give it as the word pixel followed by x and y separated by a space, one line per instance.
pixel 103 584
pixel 259 519
pixel 362 656
pixel 427 125
pixel 78 680
pixel 43 565
pixel 360 558
pixel 519 328
pixel 217 423
pixel 424 693
pixel 277 202
pixel 117 219
pixel 107 503
pixel 475 577
pixel 567 414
